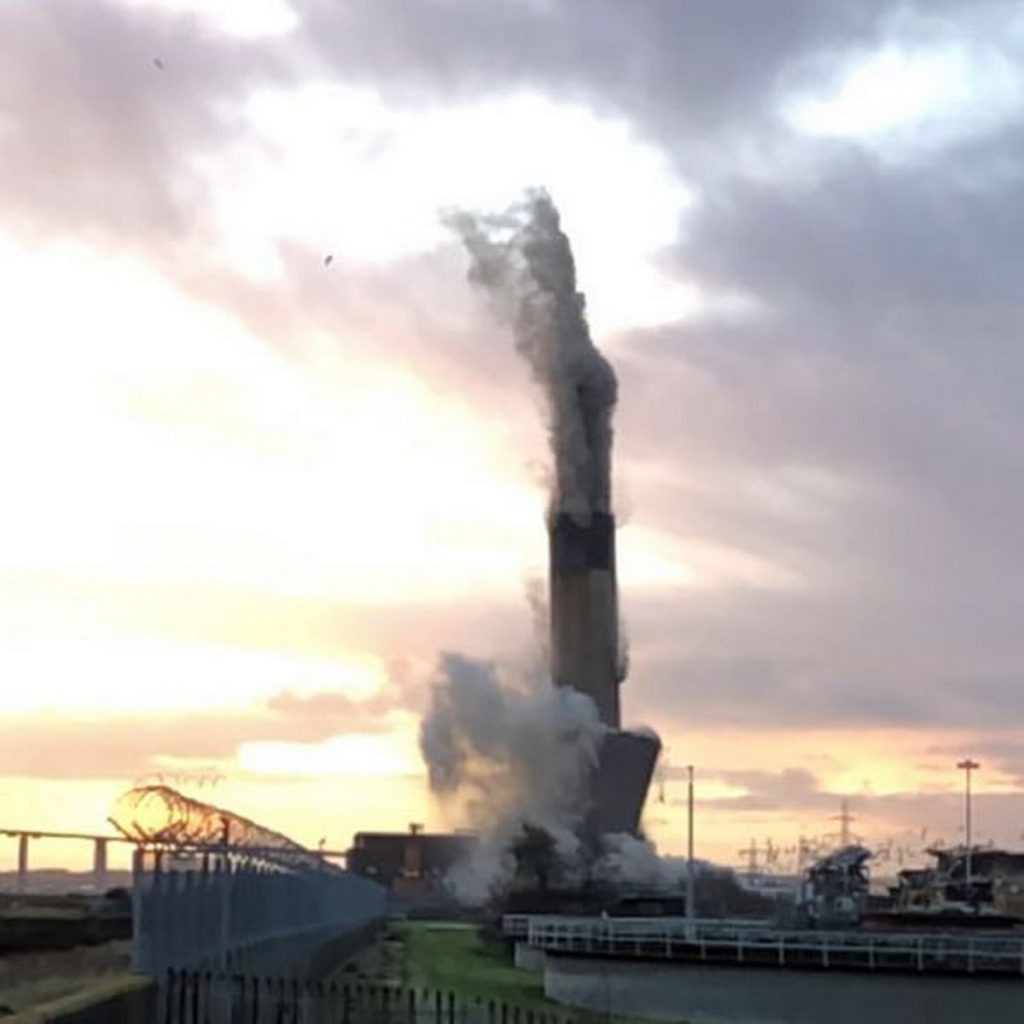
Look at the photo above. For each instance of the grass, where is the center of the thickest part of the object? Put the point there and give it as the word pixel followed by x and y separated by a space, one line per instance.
pixel 460 958
pixel 29 979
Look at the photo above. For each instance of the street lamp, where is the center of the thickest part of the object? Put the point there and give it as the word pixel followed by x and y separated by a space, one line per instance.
pixel 689 845
pixel 967 766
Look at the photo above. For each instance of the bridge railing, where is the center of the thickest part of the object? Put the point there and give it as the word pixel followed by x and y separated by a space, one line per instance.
pixel 760 943
pixel 217 908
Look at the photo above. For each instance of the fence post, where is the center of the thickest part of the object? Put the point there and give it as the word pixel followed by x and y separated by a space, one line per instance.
pixel 140 896
pixel 181 1001
pixel 203 919
pixel 218 996
pixel 165 998
pixel 304 1003
pixel 224 877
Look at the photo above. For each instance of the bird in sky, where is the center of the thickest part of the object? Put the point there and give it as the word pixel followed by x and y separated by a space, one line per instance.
pixel 328 260
pixel 158 63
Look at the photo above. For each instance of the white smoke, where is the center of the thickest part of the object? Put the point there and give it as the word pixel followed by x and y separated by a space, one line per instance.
pixel 509 757
pixel 518 762
pixel 627 860
pixel 524 261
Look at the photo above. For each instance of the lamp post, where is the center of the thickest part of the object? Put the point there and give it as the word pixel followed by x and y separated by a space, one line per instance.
pixel 967 766
pixel 690 910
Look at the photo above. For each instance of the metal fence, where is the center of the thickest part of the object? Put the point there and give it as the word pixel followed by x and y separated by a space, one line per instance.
pixel 756 943
pixel 219 909
pixel 191 997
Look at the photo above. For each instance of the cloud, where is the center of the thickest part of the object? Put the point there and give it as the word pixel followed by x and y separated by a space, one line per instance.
pixel 133 746
pixel 898 826
pixel 857 426
pixel 99 141
pixel 838 448
pixel 793 790
pixel 699 63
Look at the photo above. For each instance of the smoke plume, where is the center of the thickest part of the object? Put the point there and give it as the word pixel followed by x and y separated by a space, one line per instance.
pixel 520 762
pixel 524 261
pixel 514 760
pixel 627 860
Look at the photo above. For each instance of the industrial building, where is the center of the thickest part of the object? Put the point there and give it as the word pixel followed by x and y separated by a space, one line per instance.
pixel 411 864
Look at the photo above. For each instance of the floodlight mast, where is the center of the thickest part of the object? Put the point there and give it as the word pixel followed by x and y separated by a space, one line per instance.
pixel 967 766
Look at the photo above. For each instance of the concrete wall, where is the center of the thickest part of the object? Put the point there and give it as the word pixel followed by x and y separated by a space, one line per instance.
pixel 129 1001
pixel 738 995
pixel 526 958
pixel 620 781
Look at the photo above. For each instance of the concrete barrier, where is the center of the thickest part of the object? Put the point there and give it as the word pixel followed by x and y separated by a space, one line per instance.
pixel 130 1000
pixel 526 958
pixel 759 995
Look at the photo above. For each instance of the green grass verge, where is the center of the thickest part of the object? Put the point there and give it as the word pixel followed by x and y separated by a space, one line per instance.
pixel 461 959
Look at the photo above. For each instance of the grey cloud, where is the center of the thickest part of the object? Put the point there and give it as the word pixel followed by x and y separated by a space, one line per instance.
pixel 696 64
pixel 789 789
pixel 911 822
pixel 992 752
pixel 863 431
pixel 97 140
pixel 132 746
pixel 416 312
pixel 124 747
pixel 875 398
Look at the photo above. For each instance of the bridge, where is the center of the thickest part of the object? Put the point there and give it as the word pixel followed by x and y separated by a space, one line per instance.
pixel 101 844
pixel 753 943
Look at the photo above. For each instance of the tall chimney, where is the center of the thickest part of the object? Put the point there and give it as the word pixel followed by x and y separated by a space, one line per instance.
pixel 532 274
pixel 584 609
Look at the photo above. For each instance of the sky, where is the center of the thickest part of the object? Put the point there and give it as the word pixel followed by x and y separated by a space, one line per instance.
pixel 252 494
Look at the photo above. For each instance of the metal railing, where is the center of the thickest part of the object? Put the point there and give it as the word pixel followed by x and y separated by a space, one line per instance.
pixel 191 997
pixel 756 943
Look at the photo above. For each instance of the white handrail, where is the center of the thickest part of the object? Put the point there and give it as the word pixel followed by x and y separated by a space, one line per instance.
pixel 677 938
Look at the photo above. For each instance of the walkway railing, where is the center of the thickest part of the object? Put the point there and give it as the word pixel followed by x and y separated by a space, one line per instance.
pixel 216 907
pixel 756 943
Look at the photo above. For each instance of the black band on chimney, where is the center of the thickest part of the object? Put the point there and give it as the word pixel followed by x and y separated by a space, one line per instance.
pixel 578 547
